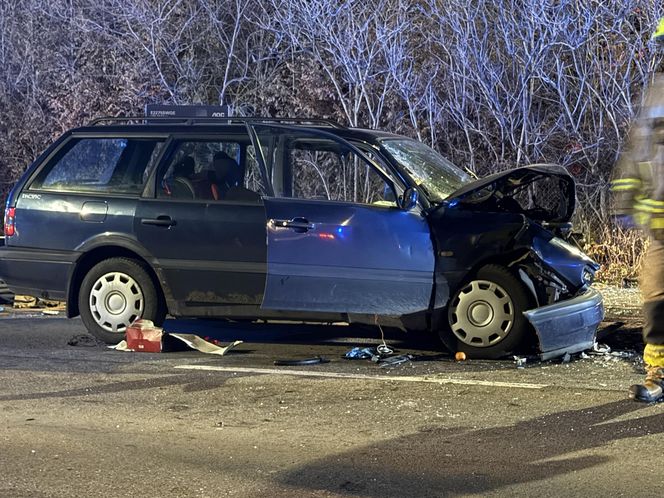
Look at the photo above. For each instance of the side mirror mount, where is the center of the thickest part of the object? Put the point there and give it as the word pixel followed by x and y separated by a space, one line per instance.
pixel 409 199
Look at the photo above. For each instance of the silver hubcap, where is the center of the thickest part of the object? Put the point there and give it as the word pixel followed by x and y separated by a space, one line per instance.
pixel 481 314
pixel 116 300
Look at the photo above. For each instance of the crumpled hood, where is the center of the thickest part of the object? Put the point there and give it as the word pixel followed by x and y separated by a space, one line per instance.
pixel 542 192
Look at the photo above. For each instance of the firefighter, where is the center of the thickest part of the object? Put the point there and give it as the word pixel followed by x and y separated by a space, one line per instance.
pixel 638 188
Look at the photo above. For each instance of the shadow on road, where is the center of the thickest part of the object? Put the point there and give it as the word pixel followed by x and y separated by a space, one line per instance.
pixel 448 462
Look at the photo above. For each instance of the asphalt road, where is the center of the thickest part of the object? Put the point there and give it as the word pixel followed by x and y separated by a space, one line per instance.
pixel 82 420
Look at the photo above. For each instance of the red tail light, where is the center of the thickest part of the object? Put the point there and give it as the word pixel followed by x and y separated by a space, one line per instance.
pixel 10 228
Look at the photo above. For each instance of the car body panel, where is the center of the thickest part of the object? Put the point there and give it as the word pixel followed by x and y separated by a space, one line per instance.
pixel 568 326
pixel 355 258
pixel 214 254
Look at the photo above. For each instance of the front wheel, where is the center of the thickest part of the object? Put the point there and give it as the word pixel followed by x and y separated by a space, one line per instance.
pixel 485 315
pixel 115 293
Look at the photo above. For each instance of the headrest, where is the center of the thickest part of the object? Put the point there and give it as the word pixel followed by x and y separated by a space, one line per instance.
pixel 223 165
pixel 184 167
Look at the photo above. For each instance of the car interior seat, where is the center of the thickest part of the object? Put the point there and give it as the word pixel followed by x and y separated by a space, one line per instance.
pixel 183 173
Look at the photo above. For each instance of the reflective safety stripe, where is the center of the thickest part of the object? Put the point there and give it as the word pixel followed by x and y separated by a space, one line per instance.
pixel 657 223
pixel 650 206
pixel 623 184
pixel 623 188
pixel 653 355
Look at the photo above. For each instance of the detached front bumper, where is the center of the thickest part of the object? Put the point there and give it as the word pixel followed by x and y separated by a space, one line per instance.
pixel 567 326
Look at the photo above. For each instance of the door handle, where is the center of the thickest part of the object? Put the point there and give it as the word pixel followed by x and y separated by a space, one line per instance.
pixel 298 224
pixel 159 221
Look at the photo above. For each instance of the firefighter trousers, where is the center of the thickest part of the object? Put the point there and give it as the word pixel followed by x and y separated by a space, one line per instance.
pixel 652 288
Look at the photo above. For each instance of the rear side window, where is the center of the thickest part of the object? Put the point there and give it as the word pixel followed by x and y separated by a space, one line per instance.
pixel 109 165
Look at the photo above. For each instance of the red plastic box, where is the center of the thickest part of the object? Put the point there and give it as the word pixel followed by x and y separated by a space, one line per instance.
pixel 143 336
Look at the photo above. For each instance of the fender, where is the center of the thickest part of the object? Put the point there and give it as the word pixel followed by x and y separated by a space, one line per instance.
pixel 123 244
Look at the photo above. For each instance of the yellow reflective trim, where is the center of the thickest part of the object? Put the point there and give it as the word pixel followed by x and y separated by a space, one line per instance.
pixel 624 188
pixel 657 223
pixel 659 32
pixel 648 207
pixel 653 355
pixel 652 202
pixel 626 181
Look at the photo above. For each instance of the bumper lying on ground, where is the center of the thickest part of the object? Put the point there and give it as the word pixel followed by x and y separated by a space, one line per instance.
pixel 568 326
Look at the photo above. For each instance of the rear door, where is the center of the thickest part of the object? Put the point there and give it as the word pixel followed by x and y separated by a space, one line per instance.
pixel 337 242
pixel 205 225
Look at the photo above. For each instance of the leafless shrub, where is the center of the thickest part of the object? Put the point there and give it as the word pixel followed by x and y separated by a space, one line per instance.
pixel 493 84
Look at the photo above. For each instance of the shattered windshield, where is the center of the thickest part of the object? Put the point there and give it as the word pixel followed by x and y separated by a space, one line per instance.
pixel 430 170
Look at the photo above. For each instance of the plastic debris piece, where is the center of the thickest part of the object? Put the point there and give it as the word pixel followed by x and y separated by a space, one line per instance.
pixel 567 358
pixel 50 312
pixel 393 361
pixel 305 361
pixel 601 348
pixel 200 344
pixel 520 361
pixel 358 353
pixel 584 356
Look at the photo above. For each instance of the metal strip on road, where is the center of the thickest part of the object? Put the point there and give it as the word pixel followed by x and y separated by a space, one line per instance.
pixel 339 375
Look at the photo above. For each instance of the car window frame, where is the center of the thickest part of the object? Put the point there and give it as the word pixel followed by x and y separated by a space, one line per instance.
pixel 170 148
pixel 54 155
pixel 316 131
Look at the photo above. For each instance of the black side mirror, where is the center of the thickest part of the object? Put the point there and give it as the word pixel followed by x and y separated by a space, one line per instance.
pixel 409 199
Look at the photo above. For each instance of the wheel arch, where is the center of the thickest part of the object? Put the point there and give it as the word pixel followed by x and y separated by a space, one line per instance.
pixel 96 255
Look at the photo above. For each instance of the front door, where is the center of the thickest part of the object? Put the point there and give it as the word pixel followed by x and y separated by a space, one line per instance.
pixel 337 242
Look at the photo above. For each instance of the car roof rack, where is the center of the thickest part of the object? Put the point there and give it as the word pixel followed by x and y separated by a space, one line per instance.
pixel 210 120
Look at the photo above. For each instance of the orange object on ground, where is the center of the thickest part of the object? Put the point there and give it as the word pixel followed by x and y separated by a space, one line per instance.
pixel 460 356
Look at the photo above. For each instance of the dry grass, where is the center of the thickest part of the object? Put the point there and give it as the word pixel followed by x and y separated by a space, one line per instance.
pixel 620 252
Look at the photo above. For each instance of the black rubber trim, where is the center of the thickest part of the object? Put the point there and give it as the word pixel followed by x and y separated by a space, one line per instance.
pixel 306 361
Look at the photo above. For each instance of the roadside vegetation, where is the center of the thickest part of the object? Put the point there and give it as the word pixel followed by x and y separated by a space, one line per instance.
pixel 492 84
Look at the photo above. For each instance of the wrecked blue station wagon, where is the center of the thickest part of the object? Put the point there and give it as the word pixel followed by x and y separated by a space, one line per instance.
pixel 297 219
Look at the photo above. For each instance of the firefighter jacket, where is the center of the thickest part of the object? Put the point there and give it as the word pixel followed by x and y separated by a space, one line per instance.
pixel 638 183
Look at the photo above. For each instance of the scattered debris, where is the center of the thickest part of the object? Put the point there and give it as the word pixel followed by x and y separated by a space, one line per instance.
pixel 520 361
pixel 460 356
pixel 143 336
pixel 567 358
pixel 393 361
pixel 601 348
pixel 358 353
pixel 50 312
pixel 298 362
pixel 200 344
pixel 21 302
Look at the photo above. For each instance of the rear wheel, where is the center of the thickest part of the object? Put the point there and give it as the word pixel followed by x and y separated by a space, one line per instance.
pixel 115 293
pixel 485 315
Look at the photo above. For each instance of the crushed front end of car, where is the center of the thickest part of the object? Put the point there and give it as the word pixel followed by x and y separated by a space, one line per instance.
pixel 529 211
pixel 560 276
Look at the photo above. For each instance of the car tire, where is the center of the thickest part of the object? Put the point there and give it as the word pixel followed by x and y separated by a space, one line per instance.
pixel 485 315
pixel 115 293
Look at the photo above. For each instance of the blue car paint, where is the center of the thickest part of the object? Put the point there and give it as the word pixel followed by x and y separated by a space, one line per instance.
pixel 354 258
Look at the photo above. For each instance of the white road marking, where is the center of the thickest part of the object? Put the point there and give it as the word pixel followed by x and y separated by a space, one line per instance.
pixel 339 375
